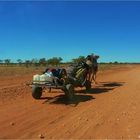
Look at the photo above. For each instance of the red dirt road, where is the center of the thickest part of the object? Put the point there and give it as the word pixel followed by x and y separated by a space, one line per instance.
pixel 110 110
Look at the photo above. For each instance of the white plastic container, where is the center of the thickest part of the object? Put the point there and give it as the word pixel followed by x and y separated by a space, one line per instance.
pixel 36 78
pixel 43 78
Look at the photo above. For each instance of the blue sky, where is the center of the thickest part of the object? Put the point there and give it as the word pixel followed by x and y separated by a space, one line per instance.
pixel 33 29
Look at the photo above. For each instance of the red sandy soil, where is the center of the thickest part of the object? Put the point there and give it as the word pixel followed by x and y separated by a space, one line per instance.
pixel 111 110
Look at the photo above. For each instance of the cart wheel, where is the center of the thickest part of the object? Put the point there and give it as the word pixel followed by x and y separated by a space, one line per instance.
pixel 88 85
pixel 36 92
pixel 69 91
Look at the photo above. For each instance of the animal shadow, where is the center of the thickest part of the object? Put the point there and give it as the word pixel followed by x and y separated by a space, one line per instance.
pixel 112 84
pixel 103 87
pixel 95 90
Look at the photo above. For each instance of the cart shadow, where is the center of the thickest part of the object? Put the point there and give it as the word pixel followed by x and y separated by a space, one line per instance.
pixel 81 95
pixel 61 99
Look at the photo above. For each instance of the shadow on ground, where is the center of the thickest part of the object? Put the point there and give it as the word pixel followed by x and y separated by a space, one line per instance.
pixel 112 84
pixel 102 87
pixel 61 99
pixel 81 95
pixel 95 90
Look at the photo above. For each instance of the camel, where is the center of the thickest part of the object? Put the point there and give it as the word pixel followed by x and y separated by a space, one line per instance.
pixel 91 60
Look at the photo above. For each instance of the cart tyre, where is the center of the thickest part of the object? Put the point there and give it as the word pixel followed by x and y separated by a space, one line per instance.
pixel 36 92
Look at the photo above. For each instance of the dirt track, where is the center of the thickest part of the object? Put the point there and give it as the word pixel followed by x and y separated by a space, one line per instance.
pixel 110 110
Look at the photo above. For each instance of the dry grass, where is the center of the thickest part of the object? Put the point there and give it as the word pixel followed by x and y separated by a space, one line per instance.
pixel 22 70
pixel 103 67
pixel 17 70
